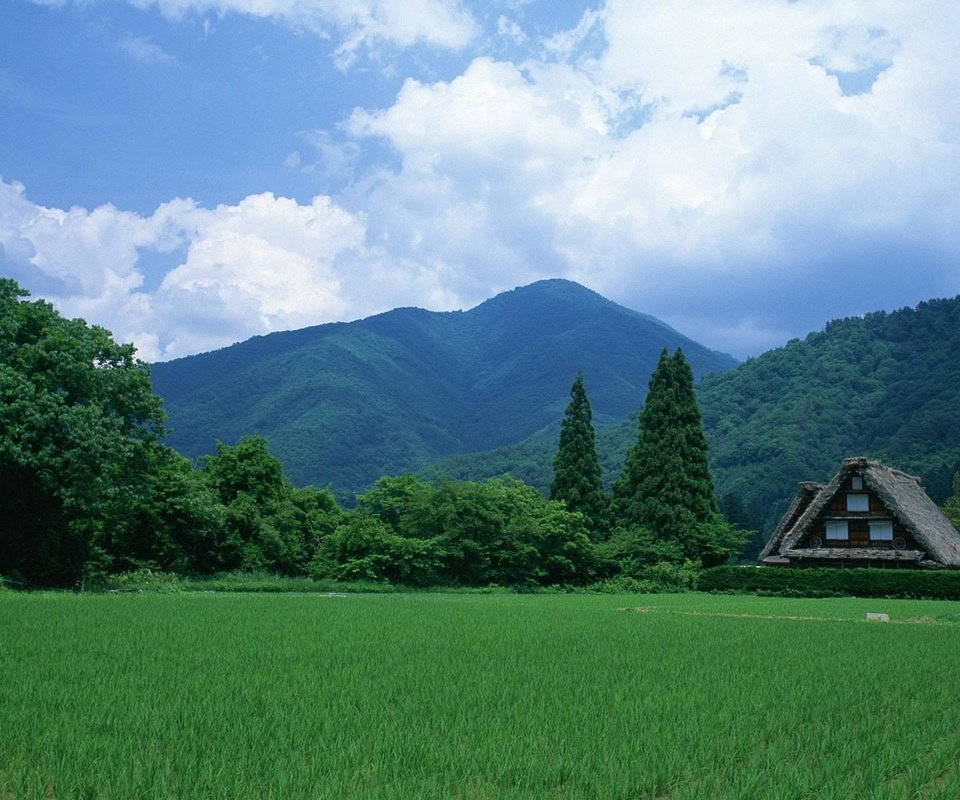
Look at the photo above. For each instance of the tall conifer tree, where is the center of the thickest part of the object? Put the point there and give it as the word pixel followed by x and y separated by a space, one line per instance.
pixel 666 486
pixel 577 477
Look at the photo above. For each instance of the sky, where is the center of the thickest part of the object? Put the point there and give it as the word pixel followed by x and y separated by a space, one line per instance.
pixel 190 173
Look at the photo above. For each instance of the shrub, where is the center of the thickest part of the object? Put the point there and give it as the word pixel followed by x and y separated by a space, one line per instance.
pixel 825 582
pixel 143 580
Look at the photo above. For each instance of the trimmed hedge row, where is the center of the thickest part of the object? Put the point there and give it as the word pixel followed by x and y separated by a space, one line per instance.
pixel 825 582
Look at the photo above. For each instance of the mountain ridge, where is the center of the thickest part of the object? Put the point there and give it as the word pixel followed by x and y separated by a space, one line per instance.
pixel 345 402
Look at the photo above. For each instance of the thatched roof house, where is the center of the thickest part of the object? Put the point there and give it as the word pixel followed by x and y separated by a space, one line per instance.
pixel 868 514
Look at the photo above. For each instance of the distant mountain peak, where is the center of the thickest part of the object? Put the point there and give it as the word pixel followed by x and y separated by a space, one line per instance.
pixel 345 403
pixel 546 289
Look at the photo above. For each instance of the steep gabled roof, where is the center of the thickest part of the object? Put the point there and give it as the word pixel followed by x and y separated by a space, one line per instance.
pixel 901 493
pixel 807 491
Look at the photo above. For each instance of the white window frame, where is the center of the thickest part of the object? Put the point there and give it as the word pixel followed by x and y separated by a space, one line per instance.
pixel 858 502
pixel 856 483
pixel 881 530
pixel 836 530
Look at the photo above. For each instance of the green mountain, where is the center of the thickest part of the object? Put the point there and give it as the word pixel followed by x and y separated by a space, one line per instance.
pixel 883 385
pixel 345 403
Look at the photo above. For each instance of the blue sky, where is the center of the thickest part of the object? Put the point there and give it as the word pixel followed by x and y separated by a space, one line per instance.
pixel 189 173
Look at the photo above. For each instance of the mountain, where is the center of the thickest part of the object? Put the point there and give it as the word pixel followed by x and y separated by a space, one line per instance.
pixel 344 403
pixel 886 385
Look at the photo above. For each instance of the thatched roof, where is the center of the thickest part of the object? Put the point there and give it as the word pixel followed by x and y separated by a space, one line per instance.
pixel 807 491
pixel 901 493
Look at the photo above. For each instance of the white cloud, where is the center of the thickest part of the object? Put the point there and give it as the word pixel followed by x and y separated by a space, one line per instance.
pixel 699 161
pixel 145 51
pixel 509 29
pixel 367 23
pixel 266 261
pixel 336 159
pixel 703 145
pixel 87 251
pixel 264 264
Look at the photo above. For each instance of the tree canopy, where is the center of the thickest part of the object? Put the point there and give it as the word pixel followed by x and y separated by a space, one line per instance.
pixel 77 419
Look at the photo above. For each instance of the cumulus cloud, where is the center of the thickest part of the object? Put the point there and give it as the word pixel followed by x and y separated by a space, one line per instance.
pixel 702 146
pixel 264 264
pixel 713 164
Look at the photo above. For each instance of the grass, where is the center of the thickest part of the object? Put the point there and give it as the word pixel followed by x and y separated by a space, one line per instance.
pixel 476 696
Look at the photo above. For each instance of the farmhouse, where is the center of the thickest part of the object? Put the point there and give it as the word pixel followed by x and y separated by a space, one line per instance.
pixel 868 515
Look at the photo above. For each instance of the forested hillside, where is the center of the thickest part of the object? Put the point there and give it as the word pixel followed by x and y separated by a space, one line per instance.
pixel 883 385
pixel 343 404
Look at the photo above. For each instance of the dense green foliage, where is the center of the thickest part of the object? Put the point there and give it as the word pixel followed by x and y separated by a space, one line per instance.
pixel 577 476
pixel 473 534
pixel 268 523
pixel 665 484
pixel 466 696
pixel 665 493
pixel 882 385
pixel 344 404
pixel 952 505
pixel 77 422
pixel 827 582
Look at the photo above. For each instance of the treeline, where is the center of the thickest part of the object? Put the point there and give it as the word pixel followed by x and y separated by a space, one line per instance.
pixel 89 489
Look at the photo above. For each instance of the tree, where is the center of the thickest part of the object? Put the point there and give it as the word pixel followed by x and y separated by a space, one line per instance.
pixel 364 547
pixel 268 523
pixel 77 420
pixel 666 486
pixel 177 525
pixel 952 506
pixel 577 476
pixel 500 531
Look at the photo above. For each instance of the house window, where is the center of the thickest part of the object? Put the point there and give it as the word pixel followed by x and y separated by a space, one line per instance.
pixel 858 502
pixel 836 529
pixel 881 530
pixel 856 482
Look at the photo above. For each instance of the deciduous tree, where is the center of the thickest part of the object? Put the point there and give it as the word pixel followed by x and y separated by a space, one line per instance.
pixel 77 420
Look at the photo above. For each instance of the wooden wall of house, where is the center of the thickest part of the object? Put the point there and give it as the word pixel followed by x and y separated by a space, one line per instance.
pixel 858 531
pixel 858 523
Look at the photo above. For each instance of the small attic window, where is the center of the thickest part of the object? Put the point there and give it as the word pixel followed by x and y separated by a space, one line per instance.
pixel 858 502
pixel 856 482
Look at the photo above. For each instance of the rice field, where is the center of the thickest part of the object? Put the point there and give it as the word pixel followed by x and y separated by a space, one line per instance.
pixel 477 696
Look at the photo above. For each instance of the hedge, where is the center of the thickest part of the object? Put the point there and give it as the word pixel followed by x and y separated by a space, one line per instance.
pixel 826 582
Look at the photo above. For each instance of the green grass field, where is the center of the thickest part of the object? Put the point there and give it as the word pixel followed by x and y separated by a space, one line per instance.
pixel 476 696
